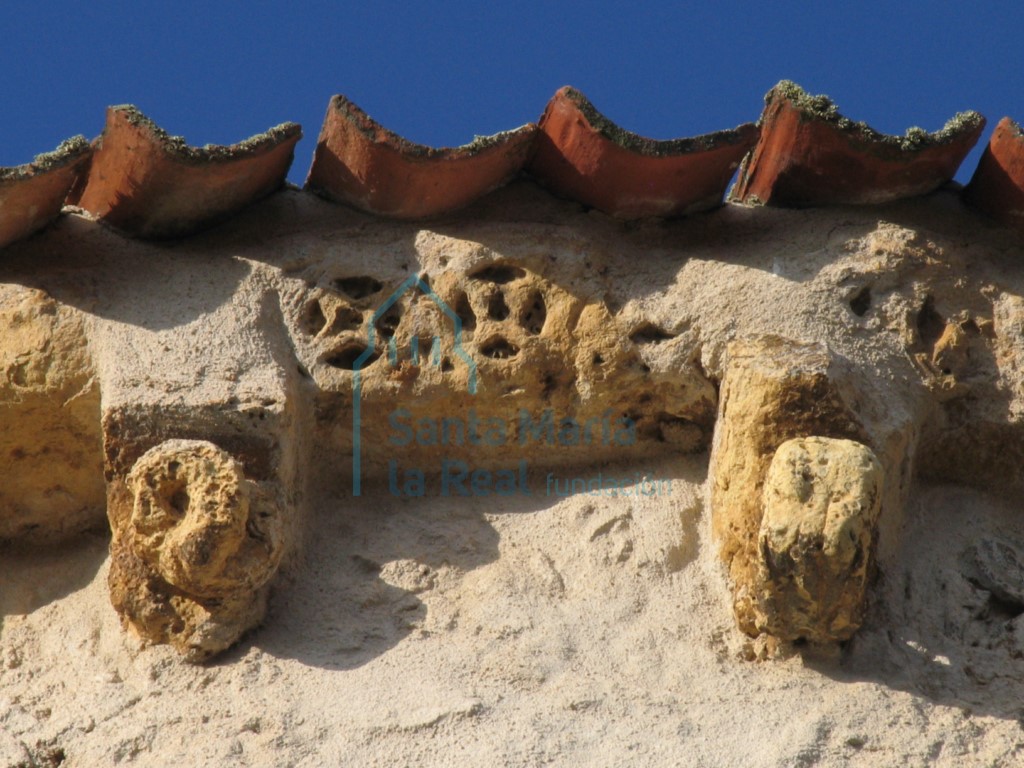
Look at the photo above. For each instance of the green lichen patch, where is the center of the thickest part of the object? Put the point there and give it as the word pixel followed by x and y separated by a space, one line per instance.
pixel 1015 128
pixel 481 143
pixel 67 152
pixel 654 147
pixel 822 108
pixel 179 148
pixel 378 134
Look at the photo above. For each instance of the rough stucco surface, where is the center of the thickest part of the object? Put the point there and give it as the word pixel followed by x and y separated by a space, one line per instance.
pixel 515 629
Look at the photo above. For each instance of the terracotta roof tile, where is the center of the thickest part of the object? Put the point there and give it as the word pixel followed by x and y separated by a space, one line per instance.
pixel 809 154
pixel 801 153
pixel 358 161
pixel 150 184
pixel 583 155
pixel 997 187
pixel 31 195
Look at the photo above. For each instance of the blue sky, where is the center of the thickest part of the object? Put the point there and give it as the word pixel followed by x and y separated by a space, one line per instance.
pixel 439 73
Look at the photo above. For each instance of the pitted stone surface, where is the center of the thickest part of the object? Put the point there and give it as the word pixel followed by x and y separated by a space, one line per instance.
pixel 52 476
pixel 822 498
pixel 201 542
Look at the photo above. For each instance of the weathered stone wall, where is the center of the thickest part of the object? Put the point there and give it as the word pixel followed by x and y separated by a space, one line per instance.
pixel 50 441
pixel 216 377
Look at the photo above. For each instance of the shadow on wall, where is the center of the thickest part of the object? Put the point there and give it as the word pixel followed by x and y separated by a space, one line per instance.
pixel 34 576
pixel 932 629
pixel 383 568
pixel 150 285
pixel 357 592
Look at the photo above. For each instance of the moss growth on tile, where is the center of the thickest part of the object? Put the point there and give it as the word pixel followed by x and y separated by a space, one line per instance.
pixel 822 108
pixel 481 143
pixel 180 148
pixel 1015 128
pixel 378 134
pixel 654 147
pixel 67 152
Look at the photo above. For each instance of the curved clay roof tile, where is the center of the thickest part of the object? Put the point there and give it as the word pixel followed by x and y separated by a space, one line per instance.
pixel 997 187
pixel 32 195
pixel 583 155
pixel 150 184
pixel 809 154
pixel 361 163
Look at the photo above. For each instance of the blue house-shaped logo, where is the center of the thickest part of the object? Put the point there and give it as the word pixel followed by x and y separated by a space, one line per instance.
pixel 433 356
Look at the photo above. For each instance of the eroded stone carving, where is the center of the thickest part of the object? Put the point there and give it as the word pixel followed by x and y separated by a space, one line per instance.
pixel 822 498
pixel 778 393
pixel 240 371
pixel 190 562
pixel 537 348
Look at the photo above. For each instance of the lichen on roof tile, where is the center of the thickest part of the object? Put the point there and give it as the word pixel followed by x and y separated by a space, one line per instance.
pixel 31 195
pixel 360 162
pixel 67 152
pixel 152 184
pixel 810 154
pixel 178 146
pixel 803 151
pixel 822 107
pixel 652 147
pixel 584 156
pixel 379 134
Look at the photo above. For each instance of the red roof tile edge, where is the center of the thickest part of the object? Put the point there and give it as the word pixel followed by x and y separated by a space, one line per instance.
pixel 153 185
pixel 149 184
pixel 809 154
pixel 31 195
pixel 997 186
pixel 583 155
pixel 359 162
